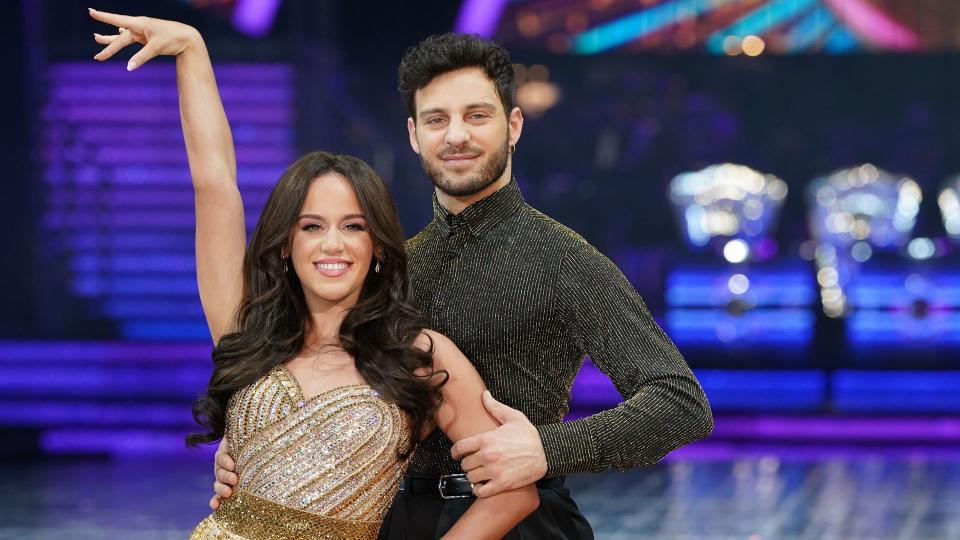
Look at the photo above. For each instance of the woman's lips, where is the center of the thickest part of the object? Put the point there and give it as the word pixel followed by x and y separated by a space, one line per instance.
pixel 332 268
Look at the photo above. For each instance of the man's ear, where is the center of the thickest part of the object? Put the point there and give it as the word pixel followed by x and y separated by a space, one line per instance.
pixel 515 125
pixel 412 131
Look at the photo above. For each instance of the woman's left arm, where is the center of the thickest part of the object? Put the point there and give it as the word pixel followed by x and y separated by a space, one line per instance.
pixel 462 415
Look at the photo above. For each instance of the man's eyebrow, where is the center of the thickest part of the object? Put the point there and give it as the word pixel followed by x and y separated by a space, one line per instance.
pixel 482 105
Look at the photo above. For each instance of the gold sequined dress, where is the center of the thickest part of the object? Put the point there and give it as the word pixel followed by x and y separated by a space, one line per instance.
pixel 327 467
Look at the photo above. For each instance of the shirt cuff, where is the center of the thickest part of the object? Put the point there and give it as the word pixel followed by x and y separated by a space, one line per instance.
pixel 569 448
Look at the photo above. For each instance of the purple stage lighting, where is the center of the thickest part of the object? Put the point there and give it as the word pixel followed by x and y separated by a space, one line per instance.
pixel 119 206
pixel 479 17
pixel 255 17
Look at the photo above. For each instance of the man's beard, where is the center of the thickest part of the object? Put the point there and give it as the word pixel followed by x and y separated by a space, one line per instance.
pixel 489 172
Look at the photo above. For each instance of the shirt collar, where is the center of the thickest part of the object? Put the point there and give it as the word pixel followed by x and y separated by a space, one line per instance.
pixel 483 215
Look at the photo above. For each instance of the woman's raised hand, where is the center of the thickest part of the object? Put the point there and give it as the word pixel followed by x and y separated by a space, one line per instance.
pixel 158 37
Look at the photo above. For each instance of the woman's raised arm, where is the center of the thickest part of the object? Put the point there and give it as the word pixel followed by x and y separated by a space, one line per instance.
pixel 221 233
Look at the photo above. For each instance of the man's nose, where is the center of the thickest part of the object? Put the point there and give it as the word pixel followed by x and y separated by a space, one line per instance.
pixel 457 133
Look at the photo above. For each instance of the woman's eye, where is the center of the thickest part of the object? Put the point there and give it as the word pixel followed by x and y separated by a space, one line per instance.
pixel 311 227
pixel 354 227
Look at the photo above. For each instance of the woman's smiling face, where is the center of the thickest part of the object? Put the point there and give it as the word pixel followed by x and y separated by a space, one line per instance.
pixel 331 247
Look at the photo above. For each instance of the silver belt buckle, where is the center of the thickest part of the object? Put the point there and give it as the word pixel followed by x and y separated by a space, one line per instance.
pixel 442 484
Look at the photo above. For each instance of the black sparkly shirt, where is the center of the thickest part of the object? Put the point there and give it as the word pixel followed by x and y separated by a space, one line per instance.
pixel 525 299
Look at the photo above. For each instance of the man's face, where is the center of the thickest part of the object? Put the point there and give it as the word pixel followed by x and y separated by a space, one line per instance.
pixel 461 132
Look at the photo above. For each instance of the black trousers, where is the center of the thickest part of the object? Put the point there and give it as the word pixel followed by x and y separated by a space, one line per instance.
pixel 421 517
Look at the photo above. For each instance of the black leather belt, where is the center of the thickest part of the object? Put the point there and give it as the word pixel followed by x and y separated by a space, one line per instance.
pixel 455 486
pixel 446 486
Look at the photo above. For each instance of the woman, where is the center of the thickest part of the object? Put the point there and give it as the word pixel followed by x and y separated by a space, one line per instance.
pixel 323 379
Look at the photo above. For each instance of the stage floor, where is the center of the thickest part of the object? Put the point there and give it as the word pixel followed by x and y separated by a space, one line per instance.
pixel 866 496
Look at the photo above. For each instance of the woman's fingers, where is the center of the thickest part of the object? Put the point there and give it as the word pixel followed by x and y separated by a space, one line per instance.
pixel 104 40
pixel 143 56
pixel 114 19
pixel 117 43
pixel 165 37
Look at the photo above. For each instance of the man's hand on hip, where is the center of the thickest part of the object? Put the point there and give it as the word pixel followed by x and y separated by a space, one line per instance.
pixel 224 472
pixel 508 457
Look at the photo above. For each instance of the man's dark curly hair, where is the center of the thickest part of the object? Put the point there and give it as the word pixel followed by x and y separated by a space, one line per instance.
pixel 443 53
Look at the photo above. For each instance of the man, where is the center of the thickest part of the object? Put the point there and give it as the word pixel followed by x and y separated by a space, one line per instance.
pixel 525 299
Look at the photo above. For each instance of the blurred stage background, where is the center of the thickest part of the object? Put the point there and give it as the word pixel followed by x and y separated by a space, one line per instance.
pixel 778 178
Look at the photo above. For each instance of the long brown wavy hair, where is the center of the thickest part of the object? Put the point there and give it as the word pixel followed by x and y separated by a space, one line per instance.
pixel 378 332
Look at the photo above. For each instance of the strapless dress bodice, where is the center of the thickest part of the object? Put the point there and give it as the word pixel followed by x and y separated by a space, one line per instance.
pixel 324 467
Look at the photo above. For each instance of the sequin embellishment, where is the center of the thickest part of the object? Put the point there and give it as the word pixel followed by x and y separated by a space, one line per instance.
pixel 325 467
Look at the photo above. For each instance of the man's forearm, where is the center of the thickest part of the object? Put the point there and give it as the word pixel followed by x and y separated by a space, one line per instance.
pixel 663 416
